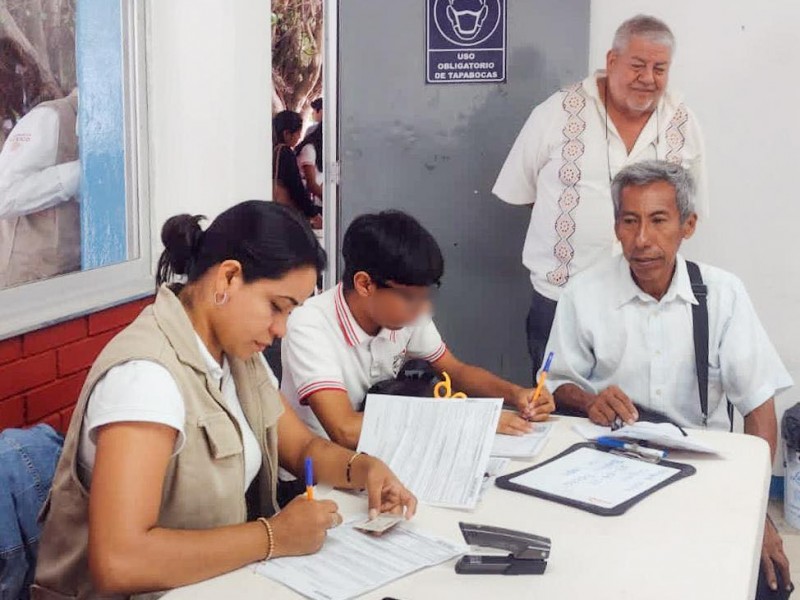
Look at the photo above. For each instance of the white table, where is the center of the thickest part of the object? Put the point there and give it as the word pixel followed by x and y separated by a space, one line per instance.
pixel 697 538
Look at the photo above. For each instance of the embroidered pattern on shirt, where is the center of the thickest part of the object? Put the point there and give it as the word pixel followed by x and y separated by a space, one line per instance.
pixel 570 175
pixel 676 135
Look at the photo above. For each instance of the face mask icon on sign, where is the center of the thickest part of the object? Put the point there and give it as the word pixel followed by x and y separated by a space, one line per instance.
pixel 467 23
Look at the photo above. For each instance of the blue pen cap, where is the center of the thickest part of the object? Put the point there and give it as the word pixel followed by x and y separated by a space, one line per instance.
pixel 309 472
pixel 547 363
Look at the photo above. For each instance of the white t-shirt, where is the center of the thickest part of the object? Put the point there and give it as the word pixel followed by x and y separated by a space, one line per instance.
pixel 30 181
pixel 607 331
pixel 563 161
pixel 324 348
pixel 144 391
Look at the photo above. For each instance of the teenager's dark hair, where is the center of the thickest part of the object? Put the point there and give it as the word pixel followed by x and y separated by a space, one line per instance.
pixel 268 240
pixel 391 246
pixel 316 104
pixel 286 120
pixel 313 137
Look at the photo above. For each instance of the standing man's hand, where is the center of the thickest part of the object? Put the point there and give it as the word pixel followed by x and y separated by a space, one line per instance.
pixel 609 404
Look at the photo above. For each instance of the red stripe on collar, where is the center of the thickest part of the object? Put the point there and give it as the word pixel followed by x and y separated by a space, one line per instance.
pixel 343 318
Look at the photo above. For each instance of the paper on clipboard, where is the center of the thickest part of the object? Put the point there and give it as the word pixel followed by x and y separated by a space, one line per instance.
pixel 594 477
pixel 439 449
pixel 665 435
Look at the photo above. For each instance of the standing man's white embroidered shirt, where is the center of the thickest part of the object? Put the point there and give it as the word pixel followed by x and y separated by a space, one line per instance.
pixel 563 162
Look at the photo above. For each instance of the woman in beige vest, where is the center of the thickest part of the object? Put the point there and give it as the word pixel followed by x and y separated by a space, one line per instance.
pixel 169 467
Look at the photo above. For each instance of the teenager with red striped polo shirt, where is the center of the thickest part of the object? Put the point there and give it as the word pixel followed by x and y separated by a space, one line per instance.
pixel 342 342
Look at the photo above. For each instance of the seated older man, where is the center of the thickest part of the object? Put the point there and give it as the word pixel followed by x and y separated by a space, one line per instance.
pixel 624 330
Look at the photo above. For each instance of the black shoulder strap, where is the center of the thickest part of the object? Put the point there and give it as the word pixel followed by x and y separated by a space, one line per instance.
pixel 700 327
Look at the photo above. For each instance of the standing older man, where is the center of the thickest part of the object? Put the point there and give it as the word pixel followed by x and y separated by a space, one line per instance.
pixel 572 146
pixel 625 330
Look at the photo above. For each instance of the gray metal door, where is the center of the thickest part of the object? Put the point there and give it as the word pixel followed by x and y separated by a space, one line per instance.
pixel 435 151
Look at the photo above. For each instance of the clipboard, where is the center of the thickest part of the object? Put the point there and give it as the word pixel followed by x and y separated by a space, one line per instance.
pixel 574 486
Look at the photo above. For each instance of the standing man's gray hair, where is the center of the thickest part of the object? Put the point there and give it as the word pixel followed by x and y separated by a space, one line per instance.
pixel 652 171
pixel 645 26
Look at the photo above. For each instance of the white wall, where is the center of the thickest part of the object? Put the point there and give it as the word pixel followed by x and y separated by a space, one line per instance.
pixel 209 81
pixel 735 62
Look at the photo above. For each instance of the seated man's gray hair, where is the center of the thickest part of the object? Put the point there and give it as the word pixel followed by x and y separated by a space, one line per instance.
pixel 645 26
pixel 652 171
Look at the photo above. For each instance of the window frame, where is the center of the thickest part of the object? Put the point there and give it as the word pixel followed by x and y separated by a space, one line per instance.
pixel 42 303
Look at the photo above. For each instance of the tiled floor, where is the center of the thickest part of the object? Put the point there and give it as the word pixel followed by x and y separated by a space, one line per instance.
pixel 791 538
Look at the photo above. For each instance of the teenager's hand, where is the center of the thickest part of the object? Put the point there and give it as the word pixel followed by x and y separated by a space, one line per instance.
pixel 511 423
pixel 538 410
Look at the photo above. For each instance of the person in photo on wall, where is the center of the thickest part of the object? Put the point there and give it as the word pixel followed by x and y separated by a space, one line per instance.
pixel 21 85
pixel 40 234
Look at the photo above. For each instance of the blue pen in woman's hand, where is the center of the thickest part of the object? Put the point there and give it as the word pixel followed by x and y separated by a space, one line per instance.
pixel 309 478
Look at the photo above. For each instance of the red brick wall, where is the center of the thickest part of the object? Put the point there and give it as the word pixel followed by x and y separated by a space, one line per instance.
pixel 42 372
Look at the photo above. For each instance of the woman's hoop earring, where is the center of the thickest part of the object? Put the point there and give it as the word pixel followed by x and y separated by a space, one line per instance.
pixel 219 301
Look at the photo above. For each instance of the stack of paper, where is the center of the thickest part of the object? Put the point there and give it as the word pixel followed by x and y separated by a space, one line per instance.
pixel 352 563
pixel 438 448
pixel 665 435
pixel 495 468
pixel 522 446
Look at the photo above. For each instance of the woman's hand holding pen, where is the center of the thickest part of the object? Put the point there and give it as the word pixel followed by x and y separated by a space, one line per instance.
pixel 301 527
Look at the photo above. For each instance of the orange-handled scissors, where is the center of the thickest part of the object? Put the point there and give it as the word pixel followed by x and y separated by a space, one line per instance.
pixel 444 389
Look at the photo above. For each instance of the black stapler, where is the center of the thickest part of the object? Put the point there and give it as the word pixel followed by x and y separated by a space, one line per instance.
pixel 528 552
